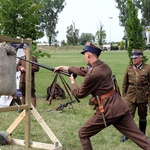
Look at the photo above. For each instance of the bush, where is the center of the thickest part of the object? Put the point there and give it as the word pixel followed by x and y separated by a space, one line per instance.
pixel 114 47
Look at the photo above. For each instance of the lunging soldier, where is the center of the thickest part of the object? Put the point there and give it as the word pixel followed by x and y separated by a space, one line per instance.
pixel 136 87
pixel 110 108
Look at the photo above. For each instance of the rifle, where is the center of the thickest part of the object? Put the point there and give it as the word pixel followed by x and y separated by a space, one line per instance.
pixel 61 106
pixel 46 67
pixel 63 81
pixel 65 84
pixel 116 84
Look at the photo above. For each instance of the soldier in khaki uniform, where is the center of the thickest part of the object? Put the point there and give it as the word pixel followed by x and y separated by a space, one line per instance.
pixel 110 108
pixel 21 66
pixel 135 88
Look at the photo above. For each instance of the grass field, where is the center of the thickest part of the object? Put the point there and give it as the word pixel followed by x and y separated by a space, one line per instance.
pixel 65 124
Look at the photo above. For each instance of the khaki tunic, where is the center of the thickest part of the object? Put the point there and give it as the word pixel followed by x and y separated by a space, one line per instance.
pixel 34 68
pixel 136 93
pixel 97 81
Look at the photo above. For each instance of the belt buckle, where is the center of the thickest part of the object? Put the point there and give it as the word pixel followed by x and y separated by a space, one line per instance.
pixel 135 84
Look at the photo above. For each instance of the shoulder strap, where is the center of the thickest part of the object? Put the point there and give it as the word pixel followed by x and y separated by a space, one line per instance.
pixel 134 68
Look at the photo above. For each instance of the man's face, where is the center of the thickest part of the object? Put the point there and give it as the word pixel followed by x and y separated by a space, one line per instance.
pixel 86 58
pixel 137 61
pixel 25 50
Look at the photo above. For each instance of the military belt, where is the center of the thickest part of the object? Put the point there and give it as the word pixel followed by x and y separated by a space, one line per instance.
pixel 106 95
pixel 103 97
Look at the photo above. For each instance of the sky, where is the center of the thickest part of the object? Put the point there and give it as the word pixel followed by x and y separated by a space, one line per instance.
pixel 87 16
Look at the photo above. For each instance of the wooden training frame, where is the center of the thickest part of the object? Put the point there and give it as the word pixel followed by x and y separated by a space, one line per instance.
pixel 28 109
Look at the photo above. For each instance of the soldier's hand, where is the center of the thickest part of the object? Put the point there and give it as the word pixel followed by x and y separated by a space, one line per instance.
pixel 22 69
pixel 72 79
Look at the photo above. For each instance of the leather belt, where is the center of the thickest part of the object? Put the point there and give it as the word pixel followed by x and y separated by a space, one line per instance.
pixel 107 94
pixel 94 100
pixel 138 84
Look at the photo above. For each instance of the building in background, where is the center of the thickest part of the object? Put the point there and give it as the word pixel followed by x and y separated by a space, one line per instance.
pixel 147 28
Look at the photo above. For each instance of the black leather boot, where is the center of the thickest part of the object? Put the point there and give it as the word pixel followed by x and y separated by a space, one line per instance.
pixel 123 139
pixel 142 126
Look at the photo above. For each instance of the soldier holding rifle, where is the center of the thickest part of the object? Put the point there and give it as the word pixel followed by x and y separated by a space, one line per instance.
pixel 21 66
pixel 110 108
pixel 136 87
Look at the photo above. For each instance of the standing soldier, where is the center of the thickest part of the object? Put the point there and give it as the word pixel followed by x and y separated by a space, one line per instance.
pixel 135 88
pixel 21 66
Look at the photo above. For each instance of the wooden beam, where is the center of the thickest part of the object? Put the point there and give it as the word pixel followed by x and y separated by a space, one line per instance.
pixel 45 127
pixel 38 145
pixel 16 122
pixel 13 108
pixel 15 40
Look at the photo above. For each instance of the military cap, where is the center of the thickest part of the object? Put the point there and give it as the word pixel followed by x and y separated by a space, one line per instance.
pixel 136 53
pixel 90 47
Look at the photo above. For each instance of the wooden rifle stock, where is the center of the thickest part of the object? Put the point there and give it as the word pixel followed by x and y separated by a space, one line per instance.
pixel 44 66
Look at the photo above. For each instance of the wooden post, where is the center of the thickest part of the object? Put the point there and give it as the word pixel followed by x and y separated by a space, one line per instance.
pixel 28 96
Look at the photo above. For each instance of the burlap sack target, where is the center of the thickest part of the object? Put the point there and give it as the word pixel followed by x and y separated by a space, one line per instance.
pixel 7 69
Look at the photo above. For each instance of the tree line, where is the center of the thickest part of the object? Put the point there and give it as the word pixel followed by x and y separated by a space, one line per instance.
pixel 33 18
pixel 134 26
pixel 30 18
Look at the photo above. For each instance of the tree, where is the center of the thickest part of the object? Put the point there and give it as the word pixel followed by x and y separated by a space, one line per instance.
pixel 20 19
pixel 122 45
pixel 73 32
pixel 86 37
pixel 49 18
pixel 121 5
pixel 63 43
pixel 39 53
pixel 134 29
pixel 143 5
pixel 16 21
pixel 100 35
pixel 72 35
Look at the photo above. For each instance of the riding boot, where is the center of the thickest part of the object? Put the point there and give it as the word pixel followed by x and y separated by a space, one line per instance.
pixel 142 126
pixel 123 139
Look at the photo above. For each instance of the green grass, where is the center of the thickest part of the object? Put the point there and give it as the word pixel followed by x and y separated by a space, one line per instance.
pixel 65 124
